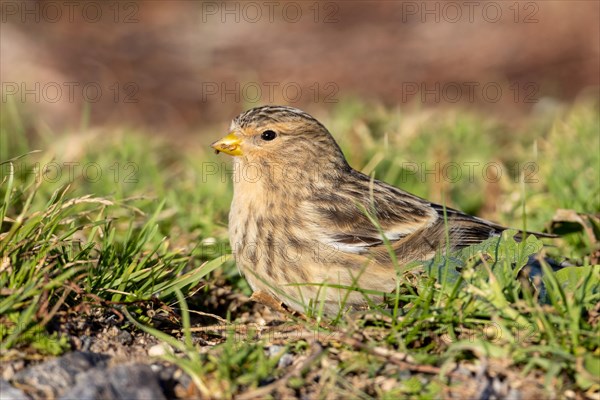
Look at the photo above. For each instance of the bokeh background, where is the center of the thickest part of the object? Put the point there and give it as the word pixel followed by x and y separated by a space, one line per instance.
pixel 112 199
pixel 178 67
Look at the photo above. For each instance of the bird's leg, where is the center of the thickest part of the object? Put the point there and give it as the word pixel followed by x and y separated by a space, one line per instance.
pixel 267 300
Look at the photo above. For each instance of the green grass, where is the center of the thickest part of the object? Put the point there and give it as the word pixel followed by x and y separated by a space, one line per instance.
pixel 152 227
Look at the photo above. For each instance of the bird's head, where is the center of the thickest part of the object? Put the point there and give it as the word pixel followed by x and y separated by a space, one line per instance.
pixel 279 134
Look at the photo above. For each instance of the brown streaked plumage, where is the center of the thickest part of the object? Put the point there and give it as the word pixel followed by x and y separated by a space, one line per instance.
pixel 301 219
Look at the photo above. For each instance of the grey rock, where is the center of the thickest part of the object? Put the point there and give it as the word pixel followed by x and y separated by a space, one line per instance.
pixel 8 392
pixel 52 378
pixel 286 358
pixel 285 361
pixel 124 338
pixel 134 381
pixel 86 342
pixel 274 350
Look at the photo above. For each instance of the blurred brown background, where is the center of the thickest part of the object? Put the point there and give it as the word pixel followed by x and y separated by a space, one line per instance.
pixel 176 66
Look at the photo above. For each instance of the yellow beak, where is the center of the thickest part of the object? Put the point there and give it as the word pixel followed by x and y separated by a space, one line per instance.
pixel 230 144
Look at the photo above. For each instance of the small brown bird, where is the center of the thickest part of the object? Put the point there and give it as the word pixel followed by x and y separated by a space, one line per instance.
pixel 308 229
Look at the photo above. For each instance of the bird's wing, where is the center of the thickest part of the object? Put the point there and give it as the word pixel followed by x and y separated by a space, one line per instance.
pixel 346 218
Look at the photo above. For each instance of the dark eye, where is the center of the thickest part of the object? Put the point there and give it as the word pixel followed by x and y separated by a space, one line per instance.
pixel 268 135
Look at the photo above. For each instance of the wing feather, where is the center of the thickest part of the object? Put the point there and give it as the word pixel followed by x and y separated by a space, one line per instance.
pixel 414 226
pixel 343 218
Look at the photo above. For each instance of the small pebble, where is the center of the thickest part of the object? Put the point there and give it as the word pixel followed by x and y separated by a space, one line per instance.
pixel 285 361
pixel 274 350
pixel 12 369
pixel 159 350
pixel 124 337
